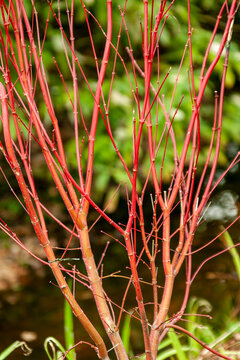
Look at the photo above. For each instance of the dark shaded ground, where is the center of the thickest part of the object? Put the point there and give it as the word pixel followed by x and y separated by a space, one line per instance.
pixel 31 307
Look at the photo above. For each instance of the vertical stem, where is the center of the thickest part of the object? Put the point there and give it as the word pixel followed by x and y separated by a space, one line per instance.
pixel 99 296
pixel 150 256
pixel 136 282
pixel 159 323
pixel 96 106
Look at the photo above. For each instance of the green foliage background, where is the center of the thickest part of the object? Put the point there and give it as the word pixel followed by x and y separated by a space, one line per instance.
pixel 108 169
pixel 107 164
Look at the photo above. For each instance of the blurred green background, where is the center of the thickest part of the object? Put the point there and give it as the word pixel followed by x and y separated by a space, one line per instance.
pixel 108 170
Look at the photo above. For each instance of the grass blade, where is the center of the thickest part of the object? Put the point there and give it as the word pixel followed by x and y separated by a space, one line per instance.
pixel 126 331
pixel 27 351
pixel 176 344
pixel 69 329
pixel 227 240
pixel 55 346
